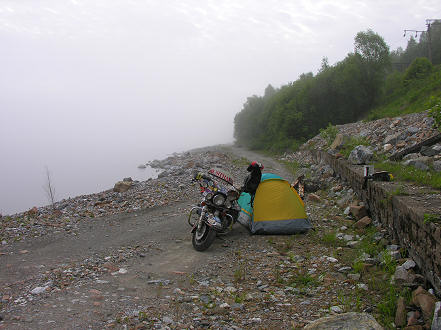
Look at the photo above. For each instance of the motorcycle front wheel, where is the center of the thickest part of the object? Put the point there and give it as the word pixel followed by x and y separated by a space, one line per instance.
pixel 203 237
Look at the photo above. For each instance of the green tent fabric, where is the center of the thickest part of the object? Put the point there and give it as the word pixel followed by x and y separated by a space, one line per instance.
pixel 277 208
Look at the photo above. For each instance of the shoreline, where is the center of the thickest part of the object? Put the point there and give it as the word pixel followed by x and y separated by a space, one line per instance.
pixel 153 175
pixel 171 185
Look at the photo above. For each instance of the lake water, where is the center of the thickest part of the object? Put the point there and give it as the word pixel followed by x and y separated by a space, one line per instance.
pixel 73 171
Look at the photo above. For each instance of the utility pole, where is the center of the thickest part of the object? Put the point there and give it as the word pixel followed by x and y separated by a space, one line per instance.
pixel 429 37
pixel 429 22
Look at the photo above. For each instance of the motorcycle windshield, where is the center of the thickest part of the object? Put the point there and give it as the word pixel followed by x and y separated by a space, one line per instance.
pixel 221 174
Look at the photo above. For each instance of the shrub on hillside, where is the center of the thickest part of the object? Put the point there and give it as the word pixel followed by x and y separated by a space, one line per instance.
pixel 419 69
pixel 435 111
pixel 394 82
pixel 329 133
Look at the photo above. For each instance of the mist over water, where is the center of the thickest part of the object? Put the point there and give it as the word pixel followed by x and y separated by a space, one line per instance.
pixel 74 171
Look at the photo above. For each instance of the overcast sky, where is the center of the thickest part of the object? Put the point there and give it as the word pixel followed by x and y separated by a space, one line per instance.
pixel 117 68
pixel 84 77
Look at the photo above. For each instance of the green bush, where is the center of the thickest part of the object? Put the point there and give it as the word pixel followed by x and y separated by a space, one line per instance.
pixel 435 110
pixel 329 133
pixel 419 69
pixel 393 83
pixel 428 217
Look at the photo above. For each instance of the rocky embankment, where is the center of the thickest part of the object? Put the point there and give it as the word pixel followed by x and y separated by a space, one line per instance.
pixel 389 136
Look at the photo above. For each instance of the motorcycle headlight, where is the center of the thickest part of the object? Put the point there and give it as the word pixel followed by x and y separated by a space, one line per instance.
pixel 219 199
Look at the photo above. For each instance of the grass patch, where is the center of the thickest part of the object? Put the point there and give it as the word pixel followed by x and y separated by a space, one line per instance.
pixel 330 239
pixel 411 174
pixel 329 133
pixel 389 264
pixel 240 273
pixel 285 245
pixel 382 294
pixel 435 111
pixel 352 302
pixel 431 218
pixel 358 266
pixel 387 306
pixel 292 166
pixel 302 280
pixel 368 245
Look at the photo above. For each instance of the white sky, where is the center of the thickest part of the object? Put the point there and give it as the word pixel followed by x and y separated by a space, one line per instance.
pixel 95 86
pixel 114 68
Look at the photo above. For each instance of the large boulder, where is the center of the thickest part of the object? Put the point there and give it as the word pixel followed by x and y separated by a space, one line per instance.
pixel 394 138
pixel 429 151
pixel 424 300
pixel 412 161
pixel 420 163
pixel 411 156
pixel 402 275
pixel 361 155
pixel 359 321
pixel 122 186
pixel 339 141
pixel 387 147
pixel 421 166
pixel 413 130
pixel 358 211
pixel 155 164
pixel 437 165
pixel 363 222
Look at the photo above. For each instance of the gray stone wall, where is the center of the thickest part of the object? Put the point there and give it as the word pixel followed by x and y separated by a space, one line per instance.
pixel 403 216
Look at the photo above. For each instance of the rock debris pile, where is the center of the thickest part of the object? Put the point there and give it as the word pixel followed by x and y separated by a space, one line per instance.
pixel 387 137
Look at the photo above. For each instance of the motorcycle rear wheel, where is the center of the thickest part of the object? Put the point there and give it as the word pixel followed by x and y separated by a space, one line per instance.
pixel 203 238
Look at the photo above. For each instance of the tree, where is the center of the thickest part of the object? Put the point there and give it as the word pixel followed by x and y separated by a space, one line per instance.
pixel 338 94
pixel 419 69
pixel 269 91
pixel 49 188
pixel 324 64
pixel 374 54
pixel 372 48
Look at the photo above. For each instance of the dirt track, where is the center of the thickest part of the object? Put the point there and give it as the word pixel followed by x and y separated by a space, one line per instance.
pixel 158 240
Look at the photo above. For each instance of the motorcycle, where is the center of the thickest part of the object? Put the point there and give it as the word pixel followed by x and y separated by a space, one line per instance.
pixel 217 211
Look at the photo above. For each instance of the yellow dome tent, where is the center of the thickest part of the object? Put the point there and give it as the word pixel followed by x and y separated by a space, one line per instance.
pixel 277 208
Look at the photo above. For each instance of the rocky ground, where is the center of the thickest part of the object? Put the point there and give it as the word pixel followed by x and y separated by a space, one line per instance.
pixel 387 137
pixel 125 260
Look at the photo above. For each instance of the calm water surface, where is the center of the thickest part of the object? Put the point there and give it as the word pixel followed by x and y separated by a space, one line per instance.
pixel 73 171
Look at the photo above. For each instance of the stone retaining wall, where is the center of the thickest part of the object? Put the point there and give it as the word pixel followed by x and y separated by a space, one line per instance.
pixel 403 216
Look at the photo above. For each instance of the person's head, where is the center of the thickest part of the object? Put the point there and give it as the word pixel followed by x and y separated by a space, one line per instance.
pixel 254 166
